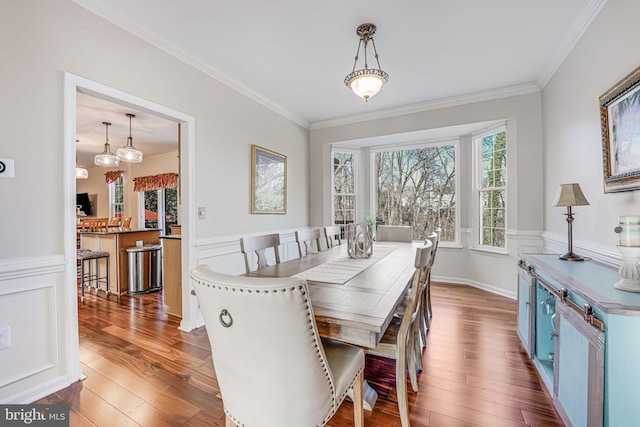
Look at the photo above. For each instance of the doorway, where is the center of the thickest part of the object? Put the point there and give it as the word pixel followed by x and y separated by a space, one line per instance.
pixel 72 85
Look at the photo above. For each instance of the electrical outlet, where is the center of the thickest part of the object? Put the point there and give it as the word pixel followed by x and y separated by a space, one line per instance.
pixel 202 212
pixel 5 337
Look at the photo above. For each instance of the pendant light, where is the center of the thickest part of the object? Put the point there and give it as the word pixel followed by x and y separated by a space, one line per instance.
pixel 106 158
pixel 128 153
pixel 366 82
pixel 81 173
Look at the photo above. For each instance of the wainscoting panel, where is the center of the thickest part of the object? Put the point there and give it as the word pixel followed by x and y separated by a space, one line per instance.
pixel 29 306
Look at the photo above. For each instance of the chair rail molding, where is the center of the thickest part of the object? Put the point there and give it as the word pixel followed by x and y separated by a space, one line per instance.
pixel 606 254
pixel 34 266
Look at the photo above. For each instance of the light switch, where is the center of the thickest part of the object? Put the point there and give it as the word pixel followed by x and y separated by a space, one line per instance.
pixel 202 212
pixel 6 168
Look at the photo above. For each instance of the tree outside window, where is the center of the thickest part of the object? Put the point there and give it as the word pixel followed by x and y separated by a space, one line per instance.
pixel 417 187
pixel 492 149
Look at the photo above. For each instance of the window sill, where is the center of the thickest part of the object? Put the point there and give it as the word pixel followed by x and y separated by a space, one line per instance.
pixel 487 249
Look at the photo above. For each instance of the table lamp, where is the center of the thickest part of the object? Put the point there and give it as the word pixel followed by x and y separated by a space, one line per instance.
pixel 570 195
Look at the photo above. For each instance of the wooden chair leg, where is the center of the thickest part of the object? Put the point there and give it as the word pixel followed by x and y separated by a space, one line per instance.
pixel 401 387
pixel 358 403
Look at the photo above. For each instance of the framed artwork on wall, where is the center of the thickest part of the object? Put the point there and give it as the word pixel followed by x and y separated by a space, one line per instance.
pixel 620 125
pixel 268 181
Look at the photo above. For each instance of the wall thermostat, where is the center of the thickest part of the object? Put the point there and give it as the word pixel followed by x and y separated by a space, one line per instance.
pixel 6 168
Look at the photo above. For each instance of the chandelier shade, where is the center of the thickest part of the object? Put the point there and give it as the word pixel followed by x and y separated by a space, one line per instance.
pixel 129 153
pixel 106 158
pixel 366 82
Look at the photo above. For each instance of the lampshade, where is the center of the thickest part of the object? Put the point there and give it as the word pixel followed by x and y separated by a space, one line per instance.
pixel 128 153
pixel 81 173
pixel 106 158
pixel 366 82
pixel 569 195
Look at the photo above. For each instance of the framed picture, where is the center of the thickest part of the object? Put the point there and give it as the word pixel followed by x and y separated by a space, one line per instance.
pixel 268 181
pixel 620 123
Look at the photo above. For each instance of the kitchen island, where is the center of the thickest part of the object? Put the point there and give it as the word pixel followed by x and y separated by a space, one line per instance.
pixel 116 243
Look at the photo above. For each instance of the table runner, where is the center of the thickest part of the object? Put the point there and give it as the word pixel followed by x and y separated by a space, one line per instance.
pixel 341 270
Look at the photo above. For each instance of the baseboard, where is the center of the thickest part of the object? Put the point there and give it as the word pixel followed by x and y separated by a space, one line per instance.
pixel 39 391
pixel 483 286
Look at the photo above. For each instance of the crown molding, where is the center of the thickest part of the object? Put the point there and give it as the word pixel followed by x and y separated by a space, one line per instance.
pixel 571 38
pixel 429 105
pixel 120 19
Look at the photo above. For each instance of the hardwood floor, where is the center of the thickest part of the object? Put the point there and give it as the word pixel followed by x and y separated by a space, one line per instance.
pixel 141 370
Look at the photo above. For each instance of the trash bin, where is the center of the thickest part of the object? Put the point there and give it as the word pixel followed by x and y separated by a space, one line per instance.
pixel 144 269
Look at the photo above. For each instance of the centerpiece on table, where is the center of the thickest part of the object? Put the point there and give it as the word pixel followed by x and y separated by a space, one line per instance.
pixel 359 240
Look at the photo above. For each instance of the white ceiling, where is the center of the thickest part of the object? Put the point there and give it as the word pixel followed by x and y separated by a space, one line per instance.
pixel 292 55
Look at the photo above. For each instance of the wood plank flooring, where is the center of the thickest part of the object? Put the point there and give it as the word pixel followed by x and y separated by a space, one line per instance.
pixel 141 370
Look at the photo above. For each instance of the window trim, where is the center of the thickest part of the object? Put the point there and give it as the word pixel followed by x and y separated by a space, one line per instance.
pixel 476 165
pixel 455 142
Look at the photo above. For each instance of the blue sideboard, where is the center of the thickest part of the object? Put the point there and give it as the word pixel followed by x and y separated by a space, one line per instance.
pixel 583 336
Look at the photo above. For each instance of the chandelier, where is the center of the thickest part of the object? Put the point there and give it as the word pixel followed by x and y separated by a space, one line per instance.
pixel 128 153
pixel 106 158
pixel 366 82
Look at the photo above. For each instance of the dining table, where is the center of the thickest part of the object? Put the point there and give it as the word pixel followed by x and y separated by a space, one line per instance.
pixel 353 299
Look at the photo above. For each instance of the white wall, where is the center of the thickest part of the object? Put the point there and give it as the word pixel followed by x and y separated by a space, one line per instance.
pixel 495 272
pixel 607 52
pixel 40 40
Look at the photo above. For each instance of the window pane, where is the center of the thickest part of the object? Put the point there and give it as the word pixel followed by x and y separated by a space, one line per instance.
pixel 151 209
pixel 170 208
pixel 344 188
pixel 417 187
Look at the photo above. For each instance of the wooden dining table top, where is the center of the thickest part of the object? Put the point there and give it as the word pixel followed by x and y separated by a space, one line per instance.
pixel 360 310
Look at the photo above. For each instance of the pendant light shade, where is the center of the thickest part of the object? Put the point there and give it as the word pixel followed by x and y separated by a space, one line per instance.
pixel 366 82
pixel 128 153
pixel 106 158
pixel 81 173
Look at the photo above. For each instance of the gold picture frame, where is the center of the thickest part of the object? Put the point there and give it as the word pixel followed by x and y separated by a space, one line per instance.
pixel 620 126
pixel 268 181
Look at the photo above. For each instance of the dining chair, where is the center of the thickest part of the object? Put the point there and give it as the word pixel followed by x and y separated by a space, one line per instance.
pixel 394 233
pixel 258 245
pixel 305 239
pixel 401 340
pixel 115 222
pixel 95 224
pixel 126 222
pixel 438 231
pixel 270 363
pixel 426 315
pixel 333 235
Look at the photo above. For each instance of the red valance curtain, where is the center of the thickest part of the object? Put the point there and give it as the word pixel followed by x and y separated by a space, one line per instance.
pixel 113 176
pixel 154 182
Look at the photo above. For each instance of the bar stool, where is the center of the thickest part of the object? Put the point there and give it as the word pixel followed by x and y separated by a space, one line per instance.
pixel 85 256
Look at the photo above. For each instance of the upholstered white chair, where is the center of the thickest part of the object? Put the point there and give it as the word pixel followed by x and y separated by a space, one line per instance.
pixel 307 239
pixel 394 233
pixel 333 235
pixel 271 365
pixel 258 245
pixel 401 341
